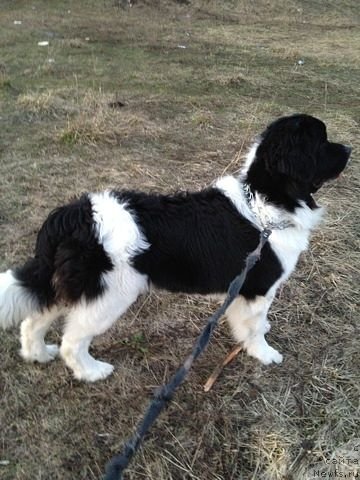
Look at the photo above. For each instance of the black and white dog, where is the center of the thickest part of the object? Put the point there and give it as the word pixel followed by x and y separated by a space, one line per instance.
pixel 95 256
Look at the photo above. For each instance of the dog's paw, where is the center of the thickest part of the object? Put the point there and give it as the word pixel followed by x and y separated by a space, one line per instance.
pixel 271 356
pixel 267 327
pixel 98 371
pixel 45 354
pixel 264 353
pixel 52 351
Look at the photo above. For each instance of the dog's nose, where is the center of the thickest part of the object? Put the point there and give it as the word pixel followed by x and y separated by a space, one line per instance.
pixel 348 149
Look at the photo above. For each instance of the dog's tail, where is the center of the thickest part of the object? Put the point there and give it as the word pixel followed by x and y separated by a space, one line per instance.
pixel 68 264
pixel 29 288
pixel 16 300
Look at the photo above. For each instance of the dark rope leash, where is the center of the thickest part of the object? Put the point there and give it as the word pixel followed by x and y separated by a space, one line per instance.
pixel 164 394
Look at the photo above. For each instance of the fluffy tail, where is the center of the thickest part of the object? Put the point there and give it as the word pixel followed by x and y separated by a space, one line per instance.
pixel 16 301
pixel 68 263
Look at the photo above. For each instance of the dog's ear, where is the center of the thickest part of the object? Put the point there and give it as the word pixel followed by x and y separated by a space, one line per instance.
pixel 288 149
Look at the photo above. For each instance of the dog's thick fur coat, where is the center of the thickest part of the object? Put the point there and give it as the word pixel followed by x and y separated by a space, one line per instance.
pixel 95 256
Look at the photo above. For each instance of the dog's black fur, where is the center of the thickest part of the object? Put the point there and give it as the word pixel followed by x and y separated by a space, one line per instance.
pixel 294 159
pixel 198 241
pixel 68 260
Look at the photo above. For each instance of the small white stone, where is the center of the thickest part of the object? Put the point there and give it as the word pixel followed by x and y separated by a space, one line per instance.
pixel 300 62
pixel 17 22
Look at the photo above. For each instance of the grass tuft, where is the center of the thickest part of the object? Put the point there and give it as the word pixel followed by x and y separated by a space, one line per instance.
pixel 98 123
pixel 47 103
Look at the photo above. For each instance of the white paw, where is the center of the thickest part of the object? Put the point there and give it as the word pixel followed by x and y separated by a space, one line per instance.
pixel 264 353
pixel 98 371
pixel 272 356
pixel 267 327
pixel 41 355
pixel 52 351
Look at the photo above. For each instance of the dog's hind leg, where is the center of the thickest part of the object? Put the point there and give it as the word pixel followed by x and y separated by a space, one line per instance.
pixel 249 324
pixel 33 330
pixel 90 318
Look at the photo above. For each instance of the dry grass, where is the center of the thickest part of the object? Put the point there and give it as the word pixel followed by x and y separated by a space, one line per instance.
pixel 188 116
pixel 98 122
pixel 91 117
pixel 48 103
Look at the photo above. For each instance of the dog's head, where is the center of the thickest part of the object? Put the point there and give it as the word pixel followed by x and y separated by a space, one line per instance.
pixel 295 151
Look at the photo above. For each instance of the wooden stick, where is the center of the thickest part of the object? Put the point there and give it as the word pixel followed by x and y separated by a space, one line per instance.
pixel 214 376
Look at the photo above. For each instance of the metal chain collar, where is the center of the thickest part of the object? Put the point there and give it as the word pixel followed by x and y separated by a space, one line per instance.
pixel 249 196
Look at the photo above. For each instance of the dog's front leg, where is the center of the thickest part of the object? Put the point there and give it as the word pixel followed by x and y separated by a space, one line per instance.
pixel 249 324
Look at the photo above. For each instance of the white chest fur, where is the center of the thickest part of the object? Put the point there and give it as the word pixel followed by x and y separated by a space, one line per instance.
pixel 287 243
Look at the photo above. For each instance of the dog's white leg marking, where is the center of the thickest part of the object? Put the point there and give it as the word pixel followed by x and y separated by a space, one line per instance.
pixel 121 238
pixel 88 319
pixel 258 347
pixel 32 333
pixel 248 322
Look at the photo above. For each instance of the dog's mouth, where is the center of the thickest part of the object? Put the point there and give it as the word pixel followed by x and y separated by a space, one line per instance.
pixel 316 185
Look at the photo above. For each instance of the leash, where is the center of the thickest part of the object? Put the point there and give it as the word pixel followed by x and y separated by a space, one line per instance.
pixel 163 395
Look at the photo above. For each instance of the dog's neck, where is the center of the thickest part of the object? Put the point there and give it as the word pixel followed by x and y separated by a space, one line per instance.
pixel 260 212
pixel 263 200
pixel 278 190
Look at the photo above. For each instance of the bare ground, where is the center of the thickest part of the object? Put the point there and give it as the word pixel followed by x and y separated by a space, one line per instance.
pixel 188 116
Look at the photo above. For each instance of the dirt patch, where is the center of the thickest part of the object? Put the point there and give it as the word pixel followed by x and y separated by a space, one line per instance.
pixel 189 115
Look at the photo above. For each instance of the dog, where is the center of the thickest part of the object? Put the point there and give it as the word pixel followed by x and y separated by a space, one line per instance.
pixel 96 255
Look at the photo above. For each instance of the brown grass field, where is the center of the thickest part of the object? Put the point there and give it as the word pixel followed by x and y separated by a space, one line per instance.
pixel 189 115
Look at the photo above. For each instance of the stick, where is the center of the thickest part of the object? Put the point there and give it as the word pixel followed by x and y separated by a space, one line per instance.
pixel 215 374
